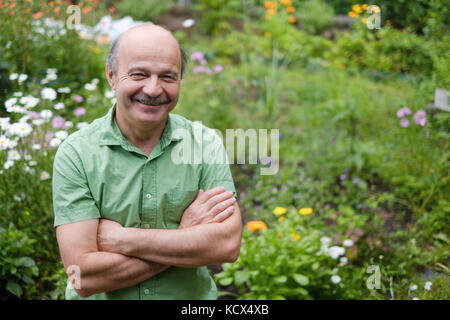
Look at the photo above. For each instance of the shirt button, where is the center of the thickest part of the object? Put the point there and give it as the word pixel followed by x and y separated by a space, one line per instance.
pixel 148 195
pixel 146 291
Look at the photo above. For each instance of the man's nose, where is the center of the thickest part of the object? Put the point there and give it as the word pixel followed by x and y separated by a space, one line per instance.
pixel 152 86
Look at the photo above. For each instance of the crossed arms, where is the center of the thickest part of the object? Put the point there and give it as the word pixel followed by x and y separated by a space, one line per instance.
pixel 112 257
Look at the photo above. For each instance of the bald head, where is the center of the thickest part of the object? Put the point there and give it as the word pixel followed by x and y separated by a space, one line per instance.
pixel 150 34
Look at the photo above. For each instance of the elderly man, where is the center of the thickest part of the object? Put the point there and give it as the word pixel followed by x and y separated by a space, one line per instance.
pixel 131 223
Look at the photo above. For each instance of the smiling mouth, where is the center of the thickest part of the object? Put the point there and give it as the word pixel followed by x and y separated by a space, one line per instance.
pixel 150 103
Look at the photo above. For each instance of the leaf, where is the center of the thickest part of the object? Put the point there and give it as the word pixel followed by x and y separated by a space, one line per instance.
pixel 280 279
pixel 301 279
pixel 315 266
pixel 14 288
pixel 226 281
pixel 240 277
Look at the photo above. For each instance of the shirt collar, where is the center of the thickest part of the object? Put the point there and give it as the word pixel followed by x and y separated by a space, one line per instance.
pixel 112 135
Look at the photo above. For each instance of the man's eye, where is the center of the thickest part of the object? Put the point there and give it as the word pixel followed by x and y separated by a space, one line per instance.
pixel 138 75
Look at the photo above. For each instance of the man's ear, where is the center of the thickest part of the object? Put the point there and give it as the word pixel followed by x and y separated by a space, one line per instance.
pixel 110 77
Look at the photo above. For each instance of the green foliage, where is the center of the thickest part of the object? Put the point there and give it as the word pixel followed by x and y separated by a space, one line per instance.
pixel 315 16
pixel 145 10
pixel 17 267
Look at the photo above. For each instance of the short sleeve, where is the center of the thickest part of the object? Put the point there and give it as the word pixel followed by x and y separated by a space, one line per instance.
pixel 72 198
pixel 215 165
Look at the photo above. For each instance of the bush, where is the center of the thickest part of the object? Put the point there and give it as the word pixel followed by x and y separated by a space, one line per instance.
pixel 17 267
pixel 144 10
pixel 315 16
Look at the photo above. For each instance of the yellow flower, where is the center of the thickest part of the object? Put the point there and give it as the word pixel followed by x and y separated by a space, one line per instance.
pixel 295 236
pixel 281 219
pixel 278 211
pixel 352 14
pixel 286 2
pixel 305 211
pixel 364 20
pixel 365 6
pixel 256 225
pixel 357 8
pixel 267 34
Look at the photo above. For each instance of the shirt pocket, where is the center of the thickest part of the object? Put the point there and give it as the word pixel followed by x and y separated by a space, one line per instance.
pixel 179 201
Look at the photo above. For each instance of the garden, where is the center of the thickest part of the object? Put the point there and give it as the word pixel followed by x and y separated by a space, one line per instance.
pixel 359 205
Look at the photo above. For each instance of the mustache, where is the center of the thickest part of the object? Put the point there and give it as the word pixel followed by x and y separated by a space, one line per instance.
pixel 145 99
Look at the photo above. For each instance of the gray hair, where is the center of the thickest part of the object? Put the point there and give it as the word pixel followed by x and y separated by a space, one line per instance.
pixel 111 61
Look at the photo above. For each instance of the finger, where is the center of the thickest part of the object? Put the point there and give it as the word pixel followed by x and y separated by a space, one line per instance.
pixel 225 214
pixel 218 208
pixel 212 202
pixel 211 193
pixel 200 192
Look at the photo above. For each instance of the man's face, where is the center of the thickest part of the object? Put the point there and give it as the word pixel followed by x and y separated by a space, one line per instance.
pixel 147 81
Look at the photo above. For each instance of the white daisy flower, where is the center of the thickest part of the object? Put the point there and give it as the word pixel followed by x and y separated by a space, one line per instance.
pixel 8 164
pixel 45 175
pixel 12 144
pixel 37 122
pixel 348 243
pixel 335 279
pixel 48 93
pixel 52 71
pixel 36 146
pixel 20 129
pixel 90 86
pixel 61 135
pixel 46 114
pixel 413 287
pixel 4 142
pixel 110 94
pixel 54 142
pixel 188 23
pixel 10 102
pixel 32 163
pixel 4 122
pixel 335 252
pixel 13 155
pixel 13 76
pixel 64 90
pixel 428 285
pixel 59 106
pixel 17 94
pixel 22 78
pixel 81 124
pixel 68 124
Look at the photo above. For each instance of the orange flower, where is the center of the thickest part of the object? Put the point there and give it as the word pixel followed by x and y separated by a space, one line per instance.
pixel 292 19
pixel 256 225
pixel 86 10
pixel 286 2
pixel 290 9
pixel 279 235
pixel 270 4
pixel 271 12
pixel 37 15
pixel 281 219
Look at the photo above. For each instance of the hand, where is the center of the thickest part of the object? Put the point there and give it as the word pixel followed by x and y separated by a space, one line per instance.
pixel 210 206
pixel 108 235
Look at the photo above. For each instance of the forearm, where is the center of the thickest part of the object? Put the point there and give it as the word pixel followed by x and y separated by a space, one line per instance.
pixel 105 271
pixel 191 247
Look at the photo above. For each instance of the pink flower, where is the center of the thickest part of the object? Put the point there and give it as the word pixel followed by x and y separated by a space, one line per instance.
pixel 58 122
pixel 48 136
pixel 420 118
pixel 78 112
pixel 78 98
pixel 404 123
pixel 403 111
pixel 198 55
pixel 218 68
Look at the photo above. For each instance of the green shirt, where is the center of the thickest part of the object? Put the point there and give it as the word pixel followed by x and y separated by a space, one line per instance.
pixel 97 173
